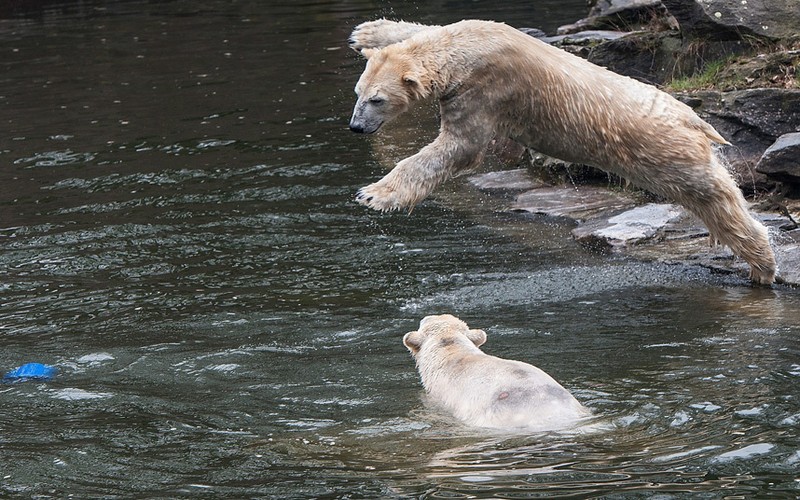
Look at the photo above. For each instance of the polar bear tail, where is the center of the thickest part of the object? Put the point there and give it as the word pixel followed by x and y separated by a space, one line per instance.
pixel 708 130
pixel 382 32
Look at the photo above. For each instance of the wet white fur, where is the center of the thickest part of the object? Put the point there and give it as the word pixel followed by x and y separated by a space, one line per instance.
pixel 483 390
pixel 493 80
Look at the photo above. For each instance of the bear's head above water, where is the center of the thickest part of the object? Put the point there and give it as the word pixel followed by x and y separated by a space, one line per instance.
pixel 444 331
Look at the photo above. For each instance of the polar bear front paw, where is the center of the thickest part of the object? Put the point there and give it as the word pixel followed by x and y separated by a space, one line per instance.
pixel 382 32
pixel 383 198
pixel 368 35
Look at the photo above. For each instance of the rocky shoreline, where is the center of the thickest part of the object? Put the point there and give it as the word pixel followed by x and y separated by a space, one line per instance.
pixel 738 65
pixel 611 219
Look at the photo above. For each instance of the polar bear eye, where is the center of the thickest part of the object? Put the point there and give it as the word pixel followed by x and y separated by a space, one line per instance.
pixel 377 100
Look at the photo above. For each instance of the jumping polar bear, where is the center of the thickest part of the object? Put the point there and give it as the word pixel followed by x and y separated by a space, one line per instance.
pixel 493 80
pixel 482 390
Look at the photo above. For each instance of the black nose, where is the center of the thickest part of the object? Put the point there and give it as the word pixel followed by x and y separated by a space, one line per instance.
pixel 359 129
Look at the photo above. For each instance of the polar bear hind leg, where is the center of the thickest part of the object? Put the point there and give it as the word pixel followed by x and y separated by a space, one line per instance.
pixel 719 203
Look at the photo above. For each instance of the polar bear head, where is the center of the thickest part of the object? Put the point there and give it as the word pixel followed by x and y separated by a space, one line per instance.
pixel 444 333
pixel 391 81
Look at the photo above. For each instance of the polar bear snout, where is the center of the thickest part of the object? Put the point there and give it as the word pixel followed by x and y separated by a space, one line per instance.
pixel 358 128
pixel 365 120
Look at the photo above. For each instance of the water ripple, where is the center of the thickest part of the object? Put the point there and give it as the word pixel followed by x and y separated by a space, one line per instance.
pixel 55 159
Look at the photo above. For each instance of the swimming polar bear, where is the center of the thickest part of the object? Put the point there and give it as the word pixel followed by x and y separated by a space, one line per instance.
pixel 482 390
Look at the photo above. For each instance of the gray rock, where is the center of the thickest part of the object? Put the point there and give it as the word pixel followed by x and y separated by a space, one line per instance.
pixel 582 38
pixel 581 43
pixel 781 161
pixel 505 180
pixel 750 119
pixel 736 20
pixel 628 228
pixel 788 256
pixel 578 203
pixel 647 56
pixel 611 7
pixel 626 15
pixel 534 32
pixel 766 112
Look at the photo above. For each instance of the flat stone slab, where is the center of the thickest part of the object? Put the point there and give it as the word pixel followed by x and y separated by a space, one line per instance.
pixel 579 203
pixel 505 180
pixel 629 227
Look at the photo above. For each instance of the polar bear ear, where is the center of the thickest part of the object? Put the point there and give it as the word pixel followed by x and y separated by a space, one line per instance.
pixel 367 53
pixel 478 337
pixel 415 86
pixel 413 341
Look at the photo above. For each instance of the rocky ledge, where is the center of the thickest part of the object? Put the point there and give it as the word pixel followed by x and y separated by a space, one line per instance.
pixel 617 220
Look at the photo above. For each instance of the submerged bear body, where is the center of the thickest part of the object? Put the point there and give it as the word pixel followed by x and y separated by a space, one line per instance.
pixel 482 390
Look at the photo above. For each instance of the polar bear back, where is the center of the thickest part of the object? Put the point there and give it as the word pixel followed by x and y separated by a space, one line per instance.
pixel 505 394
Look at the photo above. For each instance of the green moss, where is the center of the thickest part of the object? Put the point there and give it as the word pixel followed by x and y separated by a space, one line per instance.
pixel 706 79
pixel 767 67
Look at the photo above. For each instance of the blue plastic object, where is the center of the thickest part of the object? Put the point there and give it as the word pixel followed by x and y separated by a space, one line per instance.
pixel 30 371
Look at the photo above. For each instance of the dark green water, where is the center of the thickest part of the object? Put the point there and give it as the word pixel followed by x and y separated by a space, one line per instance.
pixel 178 236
